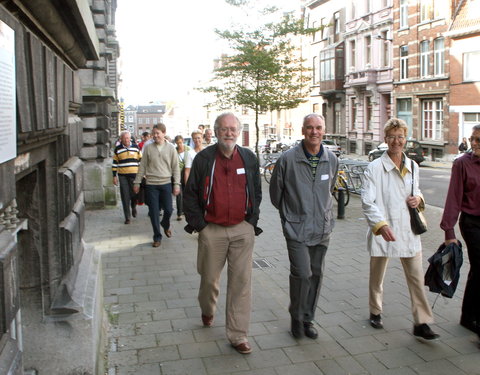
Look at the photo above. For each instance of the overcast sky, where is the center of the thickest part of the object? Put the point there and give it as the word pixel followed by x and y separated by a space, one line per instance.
pixel 168 46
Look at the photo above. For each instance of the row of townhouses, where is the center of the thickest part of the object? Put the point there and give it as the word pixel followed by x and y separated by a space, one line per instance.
pixel 411 59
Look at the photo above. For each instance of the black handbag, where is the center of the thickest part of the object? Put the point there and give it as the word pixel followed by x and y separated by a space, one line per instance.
pixel 418 223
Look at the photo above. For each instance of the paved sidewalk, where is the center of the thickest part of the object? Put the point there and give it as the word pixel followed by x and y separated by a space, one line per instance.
pixel 155 326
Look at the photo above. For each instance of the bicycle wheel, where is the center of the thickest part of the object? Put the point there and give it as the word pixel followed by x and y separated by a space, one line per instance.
pixel 341 183
pixel 267 172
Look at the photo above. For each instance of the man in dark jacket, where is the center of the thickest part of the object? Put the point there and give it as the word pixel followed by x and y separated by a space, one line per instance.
pixel 222 202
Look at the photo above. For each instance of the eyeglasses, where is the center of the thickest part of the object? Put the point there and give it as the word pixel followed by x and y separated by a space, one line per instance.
pixel 391 138
pixel 476 139
pixel 225 130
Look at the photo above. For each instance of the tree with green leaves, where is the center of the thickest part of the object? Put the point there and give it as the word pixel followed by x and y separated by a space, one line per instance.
pixel 265 71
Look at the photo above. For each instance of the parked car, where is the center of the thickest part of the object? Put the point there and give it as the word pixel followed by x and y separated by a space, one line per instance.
pixel 332 146
pixel 413 149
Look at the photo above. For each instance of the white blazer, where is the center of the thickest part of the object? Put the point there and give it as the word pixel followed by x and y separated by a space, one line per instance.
pixel 384 196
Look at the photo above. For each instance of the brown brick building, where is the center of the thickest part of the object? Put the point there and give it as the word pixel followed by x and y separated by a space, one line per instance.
pixel 421 71
pixel 464 108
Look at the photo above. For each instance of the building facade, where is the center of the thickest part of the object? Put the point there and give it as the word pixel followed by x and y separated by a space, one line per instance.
pixel 421 88
pixel 327 56
pixel 464 108
pixel 368 75
pixel 148 116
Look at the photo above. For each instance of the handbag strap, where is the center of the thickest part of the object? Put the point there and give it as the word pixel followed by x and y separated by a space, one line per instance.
pixel 413 175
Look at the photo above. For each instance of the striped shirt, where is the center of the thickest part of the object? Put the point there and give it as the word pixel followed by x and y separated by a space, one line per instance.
pixel 126 160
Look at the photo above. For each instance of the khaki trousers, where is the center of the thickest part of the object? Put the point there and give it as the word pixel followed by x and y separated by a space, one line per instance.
pixel 412 267
pixel 234 244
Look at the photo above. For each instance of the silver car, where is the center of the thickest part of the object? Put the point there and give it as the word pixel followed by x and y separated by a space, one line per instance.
pixel 332 146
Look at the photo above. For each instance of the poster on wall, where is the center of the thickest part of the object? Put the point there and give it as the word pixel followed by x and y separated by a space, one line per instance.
pixel 8 122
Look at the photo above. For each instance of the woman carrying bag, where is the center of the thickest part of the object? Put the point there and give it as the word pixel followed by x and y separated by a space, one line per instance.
pixel 386 199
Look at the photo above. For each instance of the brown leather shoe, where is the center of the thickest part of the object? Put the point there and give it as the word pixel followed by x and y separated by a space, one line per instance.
pixel 207 320
pixel 168 233
pixel 243 348
pixel 156 243
pixel 127 221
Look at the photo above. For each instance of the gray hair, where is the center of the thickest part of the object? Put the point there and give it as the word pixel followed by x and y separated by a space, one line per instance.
pixel 312 115
pixel 219 119
pixel 475 128
pixel 124 132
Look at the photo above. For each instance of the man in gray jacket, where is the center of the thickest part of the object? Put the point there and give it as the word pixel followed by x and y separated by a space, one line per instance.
pixel 300 189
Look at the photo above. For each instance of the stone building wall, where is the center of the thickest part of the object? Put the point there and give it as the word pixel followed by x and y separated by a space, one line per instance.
pixel 50 280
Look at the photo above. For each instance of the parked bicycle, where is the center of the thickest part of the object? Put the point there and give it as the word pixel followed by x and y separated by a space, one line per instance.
pixel 268 170
pixel 341 183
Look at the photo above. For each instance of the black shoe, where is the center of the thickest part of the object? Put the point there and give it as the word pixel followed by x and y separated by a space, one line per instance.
pixel 376 321
pixel 127 221
pixel 134 211
pixel 310 330
pixel 297 329
pixel 425 332
pixel 469 324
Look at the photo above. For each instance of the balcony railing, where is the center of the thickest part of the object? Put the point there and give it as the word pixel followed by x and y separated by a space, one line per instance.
pixel 361 78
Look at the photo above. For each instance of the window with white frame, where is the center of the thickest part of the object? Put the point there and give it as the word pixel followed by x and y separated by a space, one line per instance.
pixel 368 49
pixel 471 117
pixel 439 57
pixel 426 10
pixel 314 35
pixel 403 62
pixel 385 48
pixel 432 9
pixel 336 23
pixel 424 55
pixel 316 76
pixel 353 12
pixel 403 14
pixel 432 119
pixel 323 25
pixel 352 54
pixel 471 62
pixel 327 65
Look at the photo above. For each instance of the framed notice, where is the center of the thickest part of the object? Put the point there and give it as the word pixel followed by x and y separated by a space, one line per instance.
pixel 8 119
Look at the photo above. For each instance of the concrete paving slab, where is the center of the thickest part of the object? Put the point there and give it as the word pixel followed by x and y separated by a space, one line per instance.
pixel 151 296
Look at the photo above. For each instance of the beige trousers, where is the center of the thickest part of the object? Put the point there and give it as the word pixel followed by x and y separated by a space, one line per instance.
pixel 234 244
pixel 412 267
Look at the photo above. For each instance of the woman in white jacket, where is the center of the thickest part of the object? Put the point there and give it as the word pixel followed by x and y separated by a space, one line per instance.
pixel 386 196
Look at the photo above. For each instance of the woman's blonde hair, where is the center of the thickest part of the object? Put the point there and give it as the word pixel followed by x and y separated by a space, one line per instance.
pixel 395 123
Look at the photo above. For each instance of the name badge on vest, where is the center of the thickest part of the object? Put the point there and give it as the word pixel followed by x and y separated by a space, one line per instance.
pixel 240 170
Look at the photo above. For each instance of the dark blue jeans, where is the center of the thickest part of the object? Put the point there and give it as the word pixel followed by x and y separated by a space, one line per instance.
pixel 159 197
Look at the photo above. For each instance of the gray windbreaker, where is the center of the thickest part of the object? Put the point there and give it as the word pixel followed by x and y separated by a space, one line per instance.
pixel 305 205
